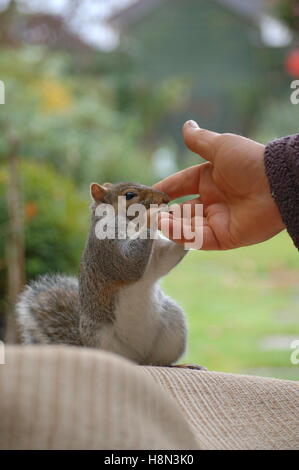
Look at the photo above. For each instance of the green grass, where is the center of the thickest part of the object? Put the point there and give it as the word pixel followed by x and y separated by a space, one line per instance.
pixel 236 298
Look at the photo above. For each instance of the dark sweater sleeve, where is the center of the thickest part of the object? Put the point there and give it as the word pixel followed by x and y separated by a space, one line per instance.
pixel 282 170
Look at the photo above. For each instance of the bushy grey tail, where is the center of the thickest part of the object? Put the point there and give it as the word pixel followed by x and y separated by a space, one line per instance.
pixel 48 311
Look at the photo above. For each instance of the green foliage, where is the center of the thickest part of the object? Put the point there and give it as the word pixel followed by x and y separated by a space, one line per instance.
pixel 289 11
pixel 71 122
pixel 56 221
pixel 276 120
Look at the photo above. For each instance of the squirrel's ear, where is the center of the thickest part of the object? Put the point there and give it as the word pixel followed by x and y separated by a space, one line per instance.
pixel 108 185
pixel 97 192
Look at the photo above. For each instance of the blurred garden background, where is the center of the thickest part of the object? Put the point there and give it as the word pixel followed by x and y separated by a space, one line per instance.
pixel 97 90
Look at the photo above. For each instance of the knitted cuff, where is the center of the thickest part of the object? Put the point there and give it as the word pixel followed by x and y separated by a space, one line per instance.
pixel 282 170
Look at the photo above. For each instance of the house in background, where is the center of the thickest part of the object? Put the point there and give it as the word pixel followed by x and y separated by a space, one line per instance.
pixel 230 52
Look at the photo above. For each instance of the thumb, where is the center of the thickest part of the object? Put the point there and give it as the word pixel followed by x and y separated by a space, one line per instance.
pixel 200 141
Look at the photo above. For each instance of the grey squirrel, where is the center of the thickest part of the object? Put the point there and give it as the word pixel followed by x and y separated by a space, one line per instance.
pixel 116 303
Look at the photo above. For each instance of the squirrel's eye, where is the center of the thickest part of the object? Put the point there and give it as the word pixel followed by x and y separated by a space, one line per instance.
pixel 130 195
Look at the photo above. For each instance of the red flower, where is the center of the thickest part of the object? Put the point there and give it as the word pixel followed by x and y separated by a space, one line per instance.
pixel 292 63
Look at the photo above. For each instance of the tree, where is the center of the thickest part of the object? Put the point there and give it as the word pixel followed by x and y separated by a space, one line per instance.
pixel 15 253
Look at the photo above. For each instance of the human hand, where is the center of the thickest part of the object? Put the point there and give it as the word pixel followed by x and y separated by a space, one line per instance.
pixel 238 208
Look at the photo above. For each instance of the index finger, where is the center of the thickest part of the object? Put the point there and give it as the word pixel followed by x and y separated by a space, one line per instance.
pixel 182 183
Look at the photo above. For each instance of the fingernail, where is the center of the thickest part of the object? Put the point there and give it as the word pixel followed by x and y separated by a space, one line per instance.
pixel 192 123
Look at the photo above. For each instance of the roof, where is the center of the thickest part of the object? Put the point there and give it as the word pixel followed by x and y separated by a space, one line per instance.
pixel 252 9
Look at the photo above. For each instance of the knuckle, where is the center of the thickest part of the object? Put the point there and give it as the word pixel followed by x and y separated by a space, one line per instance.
pixel 227 134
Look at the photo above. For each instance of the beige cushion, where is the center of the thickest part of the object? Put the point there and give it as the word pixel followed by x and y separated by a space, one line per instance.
pixel 56 397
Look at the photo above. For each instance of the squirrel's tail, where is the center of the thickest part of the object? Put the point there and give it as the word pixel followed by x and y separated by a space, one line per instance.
pixel 47 311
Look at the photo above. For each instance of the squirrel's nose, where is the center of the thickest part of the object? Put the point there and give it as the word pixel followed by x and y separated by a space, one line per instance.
pixel 160 197
pixel 164 199
pixel 157 197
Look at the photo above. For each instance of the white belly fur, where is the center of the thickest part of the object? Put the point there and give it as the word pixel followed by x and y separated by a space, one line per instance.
pixel 141 331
